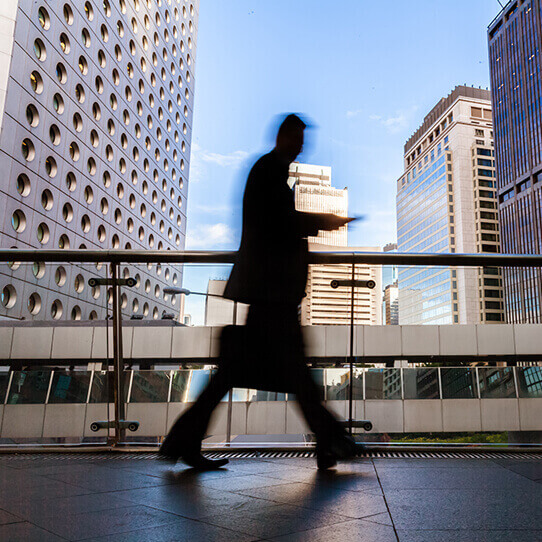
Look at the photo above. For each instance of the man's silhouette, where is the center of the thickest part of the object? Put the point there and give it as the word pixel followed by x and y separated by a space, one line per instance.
pixel 270 275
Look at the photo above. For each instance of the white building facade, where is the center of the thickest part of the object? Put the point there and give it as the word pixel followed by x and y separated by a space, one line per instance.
pixel 446 202
pixel 96 101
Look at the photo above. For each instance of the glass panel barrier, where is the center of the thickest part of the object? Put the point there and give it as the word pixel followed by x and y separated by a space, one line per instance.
pixel 496 383
pixel 529 382
pixel 150 387
pixel 102 390
pixel 421 383
pixel 179 386
pixel 459 383
pixel 4 382
pixel 29 387
pixel 69 386
pixel 383 384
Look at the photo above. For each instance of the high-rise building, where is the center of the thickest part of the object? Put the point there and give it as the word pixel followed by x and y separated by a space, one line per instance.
pixel 515 41
pixel 446 202
pixel 324 305
pixel 96 102
pixel 391 305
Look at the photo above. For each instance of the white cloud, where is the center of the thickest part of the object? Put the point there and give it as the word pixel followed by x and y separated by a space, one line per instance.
pixel 232 159
pixel 353 113
pixel 209 236
pixel 397 123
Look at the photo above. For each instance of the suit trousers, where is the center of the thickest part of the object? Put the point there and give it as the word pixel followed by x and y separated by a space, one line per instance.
pixel 265 354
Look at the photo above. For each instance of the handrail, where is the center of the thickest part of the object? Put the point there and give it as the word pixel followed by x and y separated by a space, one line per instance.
pixel 228 257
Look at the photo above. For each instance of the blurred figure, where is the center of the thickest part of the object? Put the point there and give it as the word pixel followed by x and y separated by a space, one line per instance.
pixel 270 275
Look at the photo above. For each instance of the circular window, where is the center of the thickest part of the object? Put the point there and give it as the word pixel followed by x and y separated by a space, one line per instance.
pixel 120 191
pixel 51 167
pixel 104 32
pixel 101 234
pixel 38 269
pixel 102 60
pixel 64 43
pixel 83 65
pixel 130 225
pixel 89 194
pixel 32 115
pixel 47 200
pixel 85 223
pixel 56 309
pixel 118 216
pixel 54 134
pixel 77 122
pixel 91 166
pixel 18 221
pixel 93 315
pixel 95 291
pixel 79 283
pixel 109 153
pixel 34 303
pixel 111 127
pixel 135 305
pixel 80 93
pixel 85 37
pixel 60 276
pixel 36 82
pixel 9 296
pixel 106 179
pixel 94 138
pixel 71 181
pixel 39 50
pixel 43 18
pixel 58 103
pixel 113 102
pixel 115 242
pixel 99 85
pixel 43 233
pixel 28 150
pixel 63 242
pixel 68 14
pixel 76 313
pixel 23 185
pixel 67 212
pixel 74 151
pixel 96 111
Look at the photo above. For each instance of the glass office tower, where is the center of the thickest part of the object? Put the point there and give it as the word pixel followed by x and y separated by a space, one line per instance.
pixel 446 202
pixel 515 41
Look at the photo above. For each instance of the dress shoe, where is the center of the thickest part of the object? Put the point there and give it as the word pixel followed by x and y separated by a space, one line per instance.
pixel 189 454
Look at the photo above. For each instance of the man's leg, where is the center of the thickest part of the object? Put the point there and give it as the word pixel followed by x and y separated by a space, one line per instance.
pixel 184 438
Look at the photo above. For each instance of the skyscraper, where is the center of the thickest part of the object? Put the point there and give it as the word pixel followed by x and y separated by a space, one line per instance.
pixel 446 202
pixel 96 102
pixel 324 305
pixel 515 41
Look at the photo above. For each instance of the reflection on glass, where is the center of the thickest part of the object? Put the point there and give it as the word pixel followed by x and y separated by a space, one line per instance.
pixel 496 383
pixel 29 387
pixel 150 387
pixel 179 386
pixel 383 384
pixel 421 383
pixel 4 381
pixel 459 383
pixel 529 381
pixel 69 387
pixel 358 384
pixel 337 384
pixel 259 395
pixel 103 385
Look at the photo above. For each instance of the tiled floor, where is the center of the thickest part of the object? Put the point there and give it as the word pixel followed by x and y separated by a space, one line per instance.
pixel 51 498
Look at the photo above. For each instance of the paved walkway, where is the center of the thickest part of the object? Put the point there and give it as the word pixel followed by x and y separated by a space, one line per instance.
pixel 69 498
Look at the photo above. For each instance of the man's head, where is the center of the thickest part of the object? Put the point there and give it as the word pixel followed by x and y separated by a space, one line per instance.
pixel 290 137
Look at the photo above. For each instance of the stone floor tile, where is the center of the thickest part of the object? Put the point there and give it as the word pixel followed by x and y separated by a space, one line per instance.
pixel 353 504
pixel 26 532
pixel 275 520
pixel 105 522
pixel 183 530
pixel 528 468
pixel 432 463
pixel 45 487
pixel 7 517
pixel 358 530
pixel 46 506
pixel 241 482
pixel 469 509
pixel 469 536
pixel 443 478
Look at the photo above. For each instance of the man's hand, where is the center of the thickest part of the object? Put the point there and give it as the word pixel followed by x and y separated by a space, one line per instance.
pixel 334 222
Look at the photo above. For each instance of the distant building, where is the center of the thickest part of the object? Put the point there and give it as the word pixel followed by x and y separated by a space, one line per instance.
pixel 515 42
pixel 447 202
pixel 324 305
pixel 220 311
pixel 391 305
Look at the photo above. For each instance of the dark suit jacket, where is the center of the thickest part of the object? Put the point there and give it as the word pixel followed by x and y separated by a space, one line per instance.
pixel 271 265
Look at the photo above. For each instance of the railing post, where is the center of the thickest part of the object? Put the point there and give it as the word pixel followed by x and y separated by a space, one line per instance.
pixel 118 362
pixel 230 393
pixel 351 387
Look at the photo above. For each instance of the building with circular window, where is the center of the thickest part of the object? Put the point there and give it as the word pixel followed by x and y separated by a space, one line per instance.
pixel 96 108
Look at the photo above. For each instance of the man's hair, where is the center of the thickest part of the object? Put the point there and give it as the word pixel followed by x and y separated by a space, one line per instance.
pixel 290 123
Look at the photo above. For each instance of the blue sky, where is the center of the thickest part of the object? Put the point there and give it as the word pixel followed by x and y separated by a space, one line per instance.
pixel 365 73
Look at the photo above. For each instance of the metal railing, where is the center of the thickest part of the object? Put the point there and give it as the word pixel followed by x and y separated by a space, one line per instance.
pixel 117 257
